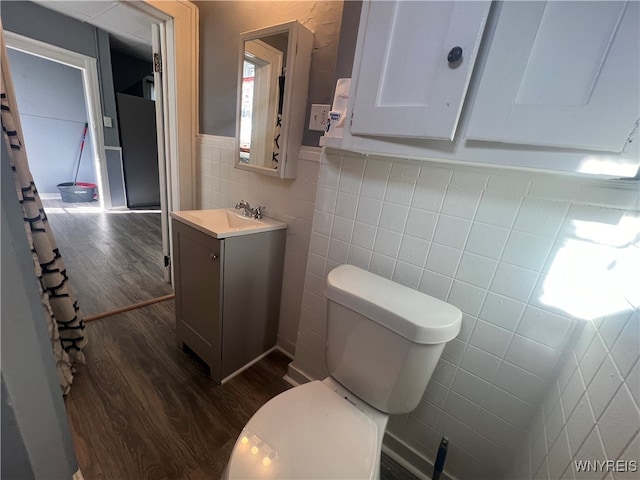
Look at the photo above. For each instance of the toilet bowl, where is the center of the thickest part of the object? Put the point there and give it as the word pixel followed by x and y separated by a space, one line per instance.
pixel 383 342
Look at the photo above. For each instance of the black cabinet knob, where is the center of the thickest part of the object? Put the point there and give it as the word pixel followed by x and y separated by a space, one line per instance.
pixel 455 55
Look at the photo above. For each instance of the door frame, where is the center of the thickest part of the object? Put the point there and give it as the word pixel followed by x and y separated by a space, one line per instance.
pixel 178 22
pixel 88 67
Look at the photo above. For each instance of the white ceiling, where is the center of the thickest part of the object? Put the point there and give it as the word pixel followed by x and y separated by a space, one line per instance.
pixel 130 30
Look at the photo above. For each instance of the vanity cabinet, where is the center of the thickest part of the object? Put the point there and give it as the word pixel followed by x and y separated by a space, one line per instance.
pixel 227 295
pixel 554 85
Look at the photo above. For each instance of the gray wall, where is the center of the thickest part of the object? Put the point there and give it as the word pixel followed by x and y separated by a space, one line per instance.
pixel 36 442
pixel 39 23
pixel 221 24
pixel 53 113
pixel 128 73
pixel 348 38
pixel 15 458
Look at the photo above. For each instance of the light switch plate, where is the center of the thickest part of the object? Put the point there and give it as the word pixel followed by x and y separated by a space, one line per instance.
pixel 319 116
pixel 107 122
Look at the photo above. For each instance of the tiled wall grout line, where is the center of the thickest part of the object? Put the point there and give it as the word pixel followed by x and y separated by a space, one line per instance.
pixel 507 201
pixel 517 324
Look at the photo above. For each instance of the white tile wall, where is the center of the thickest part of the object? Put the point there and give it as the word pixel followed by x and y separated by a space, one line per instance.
pixel 591 412
pixel 220 185
pixel 485 240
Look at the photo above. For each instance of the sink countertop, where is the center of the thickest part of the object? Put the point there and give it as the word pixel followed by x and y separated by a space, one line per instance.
pixel 226 222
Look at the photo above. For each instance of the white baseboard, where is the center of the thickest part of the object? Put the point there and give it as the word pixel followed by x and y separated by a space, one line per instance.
pixel 50 196
pixel 284 352
pixel 408 458
pixel 251 363
pixel 295 376
pixel 286 347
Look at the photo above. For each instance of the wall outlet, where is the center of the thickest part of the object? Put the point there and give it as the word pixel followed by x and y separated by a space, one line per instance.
pixel 107 122
pixel 319 117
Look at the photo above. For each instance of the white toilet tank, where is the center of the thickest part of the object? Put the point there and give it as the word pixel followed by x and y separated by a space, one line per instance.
pixel 384 339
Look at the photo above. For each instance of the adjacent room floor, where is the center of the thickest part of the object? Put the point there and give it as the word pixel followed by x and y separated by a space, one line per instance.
pixel 142 408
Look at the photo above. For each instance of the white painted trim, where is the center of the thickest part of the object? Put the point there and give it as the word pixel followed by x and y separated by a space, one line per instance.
pixel 50 196
pixel 489 169
pixel 254 361
pixel 124 187
pixel 290 380
pixel 248 365
pixel 158 38
pixel 181 21
pixel 311 154
pixel 284 352
pixel 408 458
pixel 296 375
pixel 216 141
pixel 89 69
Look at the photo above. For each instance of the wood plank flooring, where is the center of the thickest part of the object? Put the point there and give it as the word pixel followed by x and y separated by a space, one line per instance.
pixel 141 408
pixel 113 259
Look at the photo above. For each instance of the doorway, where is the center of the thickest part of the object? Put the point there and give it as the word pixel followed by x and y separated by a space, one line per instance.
pixel 114 255
pixel 54 115
pixel 177 26
pixel 50 113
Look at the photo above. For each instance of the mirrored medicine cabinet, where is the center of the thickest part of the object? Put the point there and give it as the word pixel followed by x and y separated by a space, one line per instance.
pixel 273 82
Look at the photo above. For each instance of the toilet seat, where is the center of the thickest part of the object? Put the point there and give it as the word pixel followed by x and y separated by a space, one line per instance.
pixel 307 432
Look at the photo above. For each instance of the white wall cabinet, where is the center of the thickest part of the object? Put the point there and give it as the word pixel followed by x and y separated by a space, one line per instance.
pixel 436 43
pixel 554 86
pixel 561 74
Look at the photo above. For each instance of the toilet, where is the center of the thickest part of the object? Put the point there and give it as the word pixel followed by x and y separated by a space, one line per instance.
pixel 383 343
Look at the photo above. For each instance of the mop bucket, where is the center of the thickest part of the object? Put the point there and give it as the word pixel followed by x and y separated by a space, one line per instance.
pixel 75 192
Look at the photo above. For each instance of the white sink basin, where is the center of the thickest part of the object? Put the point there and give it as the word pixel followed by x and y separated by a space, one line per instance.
pixel 226 222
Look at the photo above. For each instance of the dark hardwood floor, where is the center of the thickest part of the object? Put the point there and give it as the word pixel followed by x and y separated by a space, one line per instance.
pixel 113 259
pixel 141 408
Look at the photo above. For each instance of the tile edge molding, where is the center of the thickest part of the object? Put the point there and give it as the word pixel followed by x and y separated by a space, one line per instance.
pixel 216 140
pixel 311 154
pixel 306 152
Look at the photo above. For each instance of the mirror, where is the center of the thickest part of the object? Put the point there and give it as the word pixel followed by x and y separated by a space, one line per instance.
pixel 272 90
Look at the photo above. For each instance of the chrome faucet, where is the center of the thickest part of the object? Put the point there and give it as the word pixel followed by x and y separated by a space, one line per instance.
pixel 247 211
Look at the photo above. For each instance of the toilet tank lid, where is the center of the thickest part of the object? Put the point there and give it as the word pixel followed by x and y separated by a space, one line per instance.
pixel 416 316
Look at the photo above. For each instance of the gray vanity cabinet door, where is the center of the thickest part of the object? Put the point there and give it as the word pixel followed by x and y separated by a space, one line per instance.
pixel 198 275
pixel 252 288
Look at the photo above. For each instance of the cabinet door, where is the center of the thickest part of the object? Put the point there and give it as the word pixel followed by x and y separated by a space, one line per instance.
pixel 405 86
pixel 197 262
pixel 561 74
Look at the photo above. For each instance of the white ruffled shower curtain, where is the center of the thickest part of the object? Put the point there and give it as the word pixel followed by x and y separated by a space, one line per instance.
pixel 64 321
